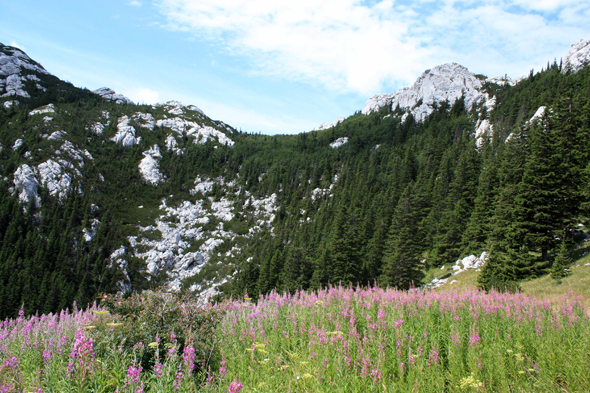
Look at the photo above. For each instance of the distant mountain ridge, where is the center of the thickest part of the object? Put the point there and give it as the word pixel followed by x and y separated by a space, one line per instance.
pixel 452 81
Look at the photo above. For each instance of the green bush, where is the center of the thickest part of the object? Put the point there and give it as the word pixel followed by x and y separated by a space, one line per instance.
pixel 155 316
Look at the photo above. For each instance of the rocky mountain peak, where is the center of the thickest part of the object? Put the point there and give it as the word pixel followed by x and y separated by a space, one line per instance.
pixel 16 70
pixel 444 82
pixel 577 57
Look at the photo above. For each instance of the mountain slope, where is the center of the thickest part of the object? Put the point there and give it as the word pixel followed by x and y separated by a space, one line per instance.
pixel 102 195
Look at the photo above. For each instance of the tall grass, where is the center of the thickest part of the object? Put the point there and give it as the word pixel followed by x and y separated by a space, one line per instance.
pixel 156 343
pixel 373 340
pixel 334 340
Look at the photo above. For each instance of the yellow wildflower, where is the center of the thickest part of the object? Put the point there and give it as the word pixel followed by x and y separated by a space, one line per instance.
pixel 470 382
pixel 153 345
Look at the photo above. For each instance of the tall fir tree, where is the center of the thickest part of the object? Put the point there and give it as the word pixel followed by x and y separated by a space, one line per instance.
pixel 402 265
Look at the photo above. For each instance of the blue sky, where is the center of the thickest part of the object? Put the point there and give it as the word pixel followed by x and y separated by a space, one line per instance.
pixel 282 66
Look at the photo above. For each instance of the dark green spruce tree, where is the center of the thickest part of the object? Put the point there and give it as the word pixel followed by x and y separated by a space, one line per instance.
pixel 402 262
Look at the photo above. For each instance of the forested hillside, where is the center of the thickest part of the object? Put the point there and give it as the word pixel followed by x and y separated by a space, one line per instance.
pixel 120 197
pixel 416 195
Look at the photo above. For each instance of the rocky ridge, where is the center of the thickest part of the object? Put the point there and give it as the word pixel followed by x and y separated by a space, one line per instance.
pixel 327 126
pixel 111 95
pixel 445 82
pixel 577 57
pixel 17 70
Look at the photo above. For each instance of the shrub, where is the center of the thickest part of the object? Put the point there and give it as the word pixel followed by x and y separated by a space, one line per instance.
pixel 153 316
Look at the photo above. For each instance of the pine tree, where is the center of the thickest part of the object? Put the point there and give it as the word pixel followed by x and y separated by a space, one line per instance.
pixel 339 260
pixel 402 266
pixel 497 273
pixel 460 205
pixel 480 223
pixel 560 267
pixel 550 196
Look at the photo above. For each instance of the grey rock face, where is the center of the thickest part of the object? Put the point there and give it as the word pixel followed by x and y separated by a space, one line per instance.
pixel 16 68
pixel 444 82
pixel 110 94
pixel 577 57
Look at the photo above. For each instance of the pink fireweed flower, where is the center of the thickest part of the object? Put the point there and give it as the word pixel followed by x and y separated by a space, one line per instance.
pixel 82 353
pixel 222 369
pixel 158 368
pixel 12 362
pixel 433 357
pixel 133 373
pixel 365 367
pixel 376 374
pixel 235 386
pixel 47 355
pixel 475 339
pixel 178 380
pixel 347 360
pixel 188 356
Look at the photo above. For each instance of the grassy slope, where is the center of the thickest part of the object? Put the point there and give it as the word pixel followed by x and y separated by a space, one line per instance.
pixel 543 287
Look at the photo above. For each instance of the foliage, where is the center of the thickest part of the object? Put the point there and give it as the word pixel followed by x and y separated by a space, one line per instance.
pixel 156 315
pixel 341 339
pixel 96 351
pixel 333 339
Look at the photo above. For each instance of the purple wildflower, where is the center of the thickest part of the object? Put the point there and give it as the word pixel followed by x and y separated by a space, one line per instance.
pixel 158 368
pixel 235 386
pixel 188 355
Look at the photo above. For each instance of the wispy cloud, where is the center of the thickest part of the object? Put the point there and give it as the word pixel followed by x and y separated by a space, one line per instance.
pixel 361 46
pixel 135 3
pixel 144 95
pixel 14 44
pixel 337 43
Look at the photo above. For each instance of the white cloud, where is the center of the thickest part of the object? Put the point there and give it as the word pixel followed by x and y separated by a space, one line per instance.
pixel 357 46
pixel 144 95
pixel 545 5
pixel 332 42
pixel 14 44
pixel 135 3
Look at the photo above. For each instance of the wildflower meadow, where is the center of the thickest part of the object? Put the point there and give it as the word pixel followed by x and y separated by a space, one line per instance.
pixel 333 340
